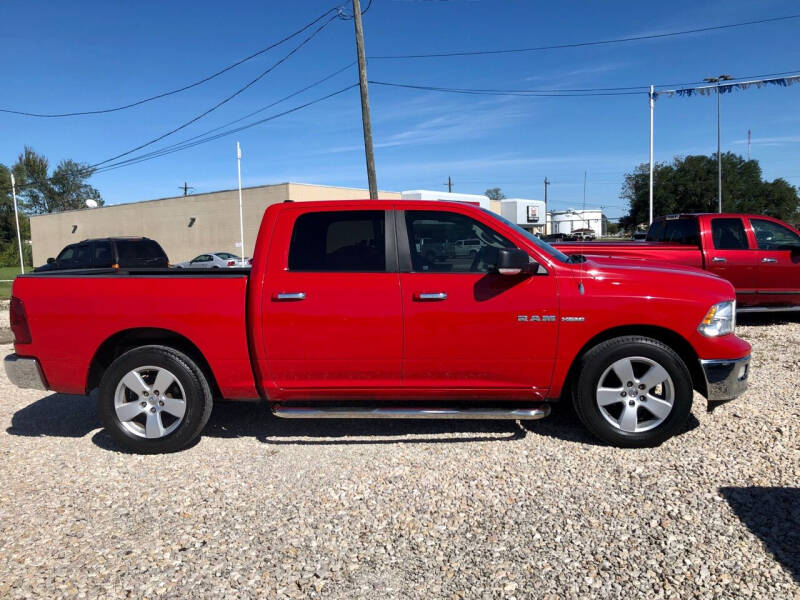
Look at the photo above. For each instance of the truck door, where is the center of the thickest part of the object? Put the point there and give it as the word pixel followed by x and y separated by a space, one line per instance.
pixel 469 330
pixel 778 262
pixel 331 304
pixel 728 254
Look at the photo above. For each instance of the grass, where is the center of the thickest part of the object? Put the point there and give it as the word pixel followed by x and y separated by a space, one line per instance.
pixel 5 286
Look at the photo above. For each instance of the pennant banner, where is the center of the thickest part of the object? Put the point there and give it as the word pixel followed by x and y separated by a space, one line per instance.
pixel 726 88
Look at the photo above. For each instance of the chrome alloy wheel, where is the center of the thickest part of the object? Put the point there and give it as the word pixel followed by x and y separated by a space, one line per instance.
pixel 150 402
pixel 635 394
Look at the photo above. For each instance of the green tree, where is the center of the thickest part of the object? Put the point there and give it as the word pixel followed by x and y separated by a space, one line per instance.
pixel 494 194
pixel 9 251
pixel 64 189
pixel 689 184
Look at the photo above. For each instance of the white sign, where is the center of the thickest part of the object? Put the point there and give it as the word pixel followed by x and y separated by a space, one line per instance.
pixel 238 244
pixel 533 213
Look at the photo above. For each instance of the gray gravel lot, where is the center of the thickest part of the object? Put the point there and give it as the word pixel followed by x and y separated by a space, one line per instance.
pixel 268 508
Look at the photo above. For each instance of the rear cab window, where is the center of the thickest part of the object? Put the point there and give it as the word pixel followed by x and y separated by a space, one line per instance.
pixel 728 234
pixel 140 253
pixel 339 241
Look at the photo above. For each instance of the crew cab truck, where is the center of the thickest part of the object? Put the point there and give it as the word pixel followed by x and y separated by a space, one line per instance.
pixel 759 255
pixel 341 316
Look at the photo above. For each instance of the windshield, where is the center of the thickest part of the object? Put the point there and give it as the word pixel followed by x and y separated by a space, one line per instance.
pixel 544 246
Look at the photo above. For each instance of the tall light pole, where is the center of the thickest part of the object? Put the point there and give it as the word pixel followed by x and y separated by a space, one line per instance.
pixel 717 80
pixel 652 106
pixel 241 216
pixel 16 216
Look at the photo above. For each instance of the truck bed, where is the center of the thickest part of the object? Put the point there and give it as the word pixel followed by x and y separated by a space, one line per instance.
pixel 690 256
pixel 205 307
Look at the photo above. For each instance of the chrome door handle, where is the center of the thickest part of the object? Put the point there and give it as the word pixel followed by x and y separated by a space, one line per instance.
pixel 430 296
pixel 288 296
pixel 769 260
pixel 719 259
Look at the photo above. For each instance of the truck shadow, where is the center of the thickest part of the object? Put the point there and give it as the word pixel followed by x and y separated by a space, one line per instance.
pixel 767 319
pixel 772 514
pixel 62 415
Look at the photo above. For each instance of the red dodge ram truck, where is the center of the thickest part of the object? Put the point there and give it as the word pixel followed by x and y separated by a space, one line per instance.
pixel 344 316
pixel 759 255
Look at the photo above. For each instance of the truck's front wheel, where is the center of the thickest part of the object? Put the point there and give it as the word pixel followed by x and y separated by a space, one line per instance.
pixel 633 391
pixel 154 399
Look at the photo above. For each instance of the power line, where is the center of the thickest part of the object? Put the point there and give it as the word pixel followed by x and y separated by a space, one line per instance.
pixel 524 93
pixel 553 93
pixel 259 110
pixel 583 44
pixel 164 152
pixel 223 101
pixel 178 90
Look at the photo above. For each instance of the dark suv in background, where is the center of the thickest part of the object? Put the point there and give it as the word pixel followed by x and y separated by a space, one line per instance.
pixel 121 252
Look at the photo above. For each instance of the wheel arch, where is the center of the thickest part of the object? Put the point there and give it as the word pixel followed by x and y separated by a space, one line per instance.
pixel 674 340
pixel 128 339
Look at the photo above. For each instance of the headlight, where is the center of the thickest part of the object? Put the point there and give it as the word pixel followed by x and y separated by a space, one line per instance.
pixel 719 320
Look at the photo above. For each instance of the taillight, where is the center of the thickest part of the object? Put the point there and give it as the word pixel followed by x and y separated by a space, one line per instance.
pixel 231 263
pixel 19 322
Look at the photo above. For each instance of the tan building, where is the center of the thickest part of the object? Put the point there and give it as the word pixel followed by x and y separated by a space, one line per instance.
pixel 185 226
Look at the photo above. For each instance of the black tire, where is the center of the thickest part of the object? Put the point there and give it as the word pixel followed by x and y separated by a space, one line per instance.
pixel 600 358
pixel 197 393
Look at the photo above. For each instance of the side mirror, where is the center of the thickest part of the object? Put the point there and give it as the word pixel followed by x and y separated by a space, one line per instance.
pixel 512 261
pixel 51 260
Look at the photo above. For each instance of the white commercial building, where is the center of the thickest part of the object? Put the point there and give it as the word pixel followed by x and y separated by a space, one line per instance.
pixel 476 199
pixel 567 221
pixel 528 214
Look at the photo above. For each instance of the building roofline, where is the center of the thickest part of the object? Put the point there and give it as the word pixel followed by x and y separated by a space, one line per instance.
pixel 251 187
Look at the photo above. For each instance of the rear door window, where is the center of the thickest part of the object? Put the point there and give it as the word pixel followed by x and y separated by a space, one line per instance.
pixel 103 255
pixel 349 241
pixel 728 234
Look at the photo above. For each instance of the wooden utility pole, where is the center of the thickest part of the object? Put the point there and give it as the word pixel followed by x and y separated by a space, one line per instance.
pixel 362 80
pixel 449 184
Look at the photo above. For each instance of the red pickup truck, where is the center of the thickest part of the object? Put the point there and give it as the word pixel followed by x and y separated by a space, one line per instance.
pixel 759 255
pixel 344 316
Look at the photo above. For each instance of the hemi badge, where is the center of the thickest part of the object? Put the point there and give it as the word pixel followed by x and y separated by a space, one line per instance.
pixel 573 319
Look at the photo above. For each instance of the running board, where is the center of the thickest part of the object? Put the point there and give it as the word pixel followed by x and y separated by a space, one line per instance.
pixel 296 412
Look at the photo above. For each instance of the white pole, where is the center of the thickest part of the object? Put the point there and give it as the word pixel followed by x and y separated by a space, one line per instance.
pixel 241 217
pixel 16 216
pixel 652 106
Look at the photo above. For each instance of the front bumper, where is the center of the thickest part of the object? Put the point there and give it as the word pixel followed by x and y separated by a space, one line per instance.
pixel 725 379
pixel 24 372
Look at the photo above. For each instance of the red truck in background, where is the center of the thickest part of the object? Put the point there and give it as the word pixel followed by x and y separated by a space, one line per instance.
pixel 759 255
pixel 343 316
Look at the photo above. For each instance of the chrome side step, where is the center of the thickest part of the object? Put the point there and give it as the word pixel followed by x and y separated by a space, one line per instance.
pixel 296 412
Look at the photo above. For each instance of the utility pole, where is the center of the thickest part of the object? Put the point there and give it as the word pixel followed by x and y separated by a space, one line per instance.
pixel 717 80
pixel 16 216
pixel 748 144
pixel 449 184
pixel 546 183
pixel 365 118
pixel 185 187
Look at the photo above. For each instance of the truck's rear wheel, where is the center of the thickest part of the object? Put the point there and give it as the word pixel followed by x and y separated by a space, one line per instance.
pixel 154 399
pixel 633 392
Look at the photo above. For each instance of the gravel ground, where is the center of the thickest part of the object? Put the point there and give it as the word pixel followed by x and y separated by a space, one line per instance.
pixel 268 508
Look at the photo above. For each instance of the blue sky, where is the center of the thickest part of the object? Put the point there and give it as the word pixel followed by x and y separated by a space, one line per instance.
pixel 76 56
